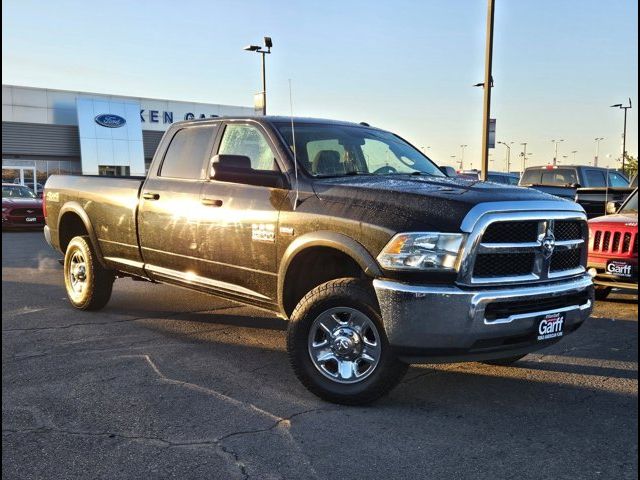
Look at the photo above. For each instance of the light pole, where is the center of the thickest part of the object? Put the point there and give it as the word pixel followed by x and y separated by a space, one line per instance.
pixel 624 131
pixel 524 155
pixel 595 160
pixel 487 85
pixel 255 48
pixel 574 155
pixel 462 156
pixel 508 154
pixel 454 161
pixel 555 155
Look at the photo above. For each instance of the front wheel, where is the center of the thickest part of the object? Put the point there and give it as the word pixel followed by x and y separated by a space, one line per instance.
pixel 88 283
pixel 337 345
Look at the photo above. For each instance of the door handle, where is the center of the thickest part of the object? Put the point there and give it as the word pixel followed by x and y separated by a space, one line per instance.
pixel 211 202
pixel 150 196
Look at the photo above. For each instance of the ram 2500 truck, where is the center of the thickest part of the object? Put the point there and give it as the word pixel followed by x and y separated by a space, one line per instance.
pixel 377 258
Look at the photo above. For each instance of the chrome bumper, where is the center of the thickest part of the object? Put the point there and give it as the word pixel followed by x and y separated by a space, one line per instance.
pixel 449 324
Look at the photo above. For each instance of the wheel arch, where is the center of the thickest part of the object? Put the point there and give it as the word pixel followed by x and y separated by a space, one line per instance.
pixel 357 260
pixel 73 220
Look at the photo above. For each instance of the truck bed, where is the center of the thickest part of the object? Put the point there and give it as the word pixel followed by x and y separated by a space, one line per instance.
pixel 111 204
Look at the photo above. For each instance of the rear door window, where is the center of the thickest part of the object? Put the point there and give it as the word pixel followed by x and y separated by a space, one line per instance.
pixel 187 152
pixel 595 178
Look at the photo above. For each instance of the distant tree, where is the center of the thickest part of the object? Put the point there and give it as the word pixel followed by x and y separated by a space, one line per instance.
pixel 631 166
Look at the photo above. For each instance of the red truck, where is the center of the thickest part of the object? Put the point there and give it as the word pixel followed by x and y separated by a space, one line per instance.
pixel 613 248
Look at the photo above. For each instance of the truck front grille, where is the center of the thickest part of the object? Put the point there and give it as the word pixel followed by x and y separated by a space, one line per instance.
pixel 503 264
pixel 527 246
pixel 615 241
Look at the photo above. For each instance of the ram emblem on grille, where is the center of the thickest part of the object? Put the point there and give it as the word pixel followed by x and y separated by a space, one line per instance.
pixel 548 245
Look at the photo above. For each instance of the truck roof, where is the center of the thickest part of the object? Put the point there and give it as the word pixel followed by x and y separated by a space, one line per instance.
pixel 275 119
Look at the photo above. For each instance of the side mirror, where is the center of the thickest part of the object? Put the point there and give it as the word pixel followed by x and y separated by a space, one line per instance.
pixel 576 185
pixel 448 171
pixel 612 208
pixel 237 169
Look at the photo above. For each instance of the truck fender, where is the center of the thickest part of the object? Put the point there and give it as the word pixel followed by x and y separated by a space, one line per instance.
pixel 76 208
pixel 329 239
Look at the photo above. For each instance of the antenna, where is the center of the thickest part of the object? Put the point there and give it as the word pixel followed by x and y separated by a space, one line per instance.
pixel 295 158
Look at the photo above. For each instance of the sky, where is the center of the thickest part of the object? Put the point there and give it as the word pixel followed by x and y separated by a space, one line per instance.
pixel 405 66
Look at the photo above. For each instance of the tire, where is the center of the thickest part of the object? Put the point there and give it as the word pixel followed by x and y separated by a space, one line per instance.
pixel 504 362
pixel 363 367
pixel 602 292
pixel 88 283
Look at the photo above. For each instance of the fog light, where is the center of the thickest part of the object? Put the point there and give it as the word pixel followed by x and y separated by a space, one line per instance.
pixel 593 272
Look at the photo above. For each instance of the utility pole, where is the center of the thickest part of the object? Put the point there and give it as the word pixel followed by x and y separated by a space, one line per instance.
pixel 484 169
pixel 595 160
pixel 524 155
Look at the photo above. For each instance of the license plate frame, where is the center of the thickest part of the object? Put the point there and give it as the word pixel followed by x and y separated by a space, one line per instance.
pixel 550 326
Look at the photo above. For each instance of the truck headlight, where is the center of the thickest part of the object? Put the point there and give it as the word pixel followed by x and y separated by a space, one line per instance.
pixel 422 251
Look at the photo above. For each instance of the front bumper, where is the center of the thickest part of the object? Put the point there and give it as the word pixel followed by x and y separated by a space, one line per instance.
pixel 448 324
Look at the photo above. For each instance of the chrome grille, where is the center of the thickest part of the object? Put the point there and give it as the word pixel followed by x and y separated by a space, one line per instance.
pixel 524 246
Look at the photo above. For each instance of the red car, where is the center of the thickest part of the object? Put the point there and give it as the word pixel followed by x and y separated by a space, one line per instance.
pixel 613 249
pixel 21 208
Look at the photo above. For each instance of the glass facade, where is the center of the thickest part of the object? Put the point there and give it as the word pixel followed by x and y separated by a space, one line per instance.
pixel 34 173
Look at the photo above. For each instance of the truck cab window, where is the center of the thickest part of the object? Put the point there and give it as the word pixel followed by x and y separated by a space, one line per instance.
pixel 617 180
pixel 187 152
pixel 248 141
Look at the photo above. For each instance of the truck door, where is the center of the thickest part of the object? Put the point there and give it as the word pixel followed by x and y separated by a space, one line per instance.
pixel 170 204
pixel 237 235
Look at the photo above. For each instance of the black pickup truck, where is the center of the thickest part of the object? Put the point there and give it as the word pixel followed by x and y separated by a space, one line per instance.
pixel 374 255
pixel 591 187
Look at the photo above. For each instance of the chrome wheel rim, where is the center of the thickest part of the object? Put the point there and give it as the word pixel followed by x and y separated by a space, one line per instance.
pixel 77 274
pixel 344 345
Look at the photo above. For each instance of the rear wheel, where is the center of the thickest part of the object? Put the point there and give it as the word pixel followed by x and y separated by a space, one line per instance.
pixel 337 345
pixel 88 283
pixel 504 362
pixel 602 292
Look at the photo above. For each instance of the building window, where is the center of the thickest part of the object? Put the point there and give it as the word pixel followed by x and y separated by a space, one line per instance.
pixel 113 171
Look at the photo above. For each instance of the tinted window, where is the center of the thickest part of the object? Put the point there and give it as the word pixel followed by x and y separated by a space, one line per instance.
pixel 513 180
pixel 595 178
pixel 617 180
pixel 187 152
pixel 18 191
pixel 247 141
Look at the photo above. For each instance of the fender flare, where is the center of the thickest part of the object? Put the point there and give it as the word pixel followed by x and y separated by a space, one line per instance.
pixel 76 208
pixel 337 241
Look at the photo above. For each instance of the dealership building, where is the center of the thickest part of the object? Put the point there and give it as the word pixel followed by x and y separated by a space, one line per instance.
pixel 46 132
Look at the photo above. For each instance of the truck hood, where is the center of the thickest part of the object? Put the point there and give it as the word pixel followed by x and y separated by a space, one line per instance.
pixel 628 219
pixel 402 202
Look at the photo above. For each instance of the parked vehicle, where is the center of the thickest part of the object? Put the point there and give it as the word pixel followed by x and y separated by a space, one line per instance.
pixel 497 177
pixel 502 177
pixel 21 208
pixel 374 255
pixel 613 249
pixel 591 187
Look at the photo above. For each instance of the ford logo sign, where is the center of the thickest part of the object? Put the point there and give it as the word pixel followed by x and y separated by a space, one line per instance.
pixel 110 120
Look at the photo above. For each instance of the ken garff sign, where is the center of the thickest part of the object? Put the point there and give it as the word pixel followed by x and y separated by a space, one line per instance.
pixel 110 120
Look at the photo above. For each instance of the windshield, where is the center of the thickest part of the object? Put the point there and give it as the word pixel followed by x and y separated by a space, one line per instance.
pixel 326 150
pixel 17 191
pixel 632 204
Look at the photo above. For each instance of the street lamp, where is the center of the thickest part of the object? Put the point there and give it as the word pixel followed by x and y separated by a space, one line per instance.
pixel 523 154
pixel 574 155
pixel 255 48
pixel 462 157
pixel 595 160
pixel 508 154
pixel 555 155
pixel 624 131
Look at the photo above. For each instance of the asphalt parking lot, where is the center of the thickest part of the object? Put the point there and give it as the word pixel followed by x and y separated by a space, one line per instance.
pixel 166 383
